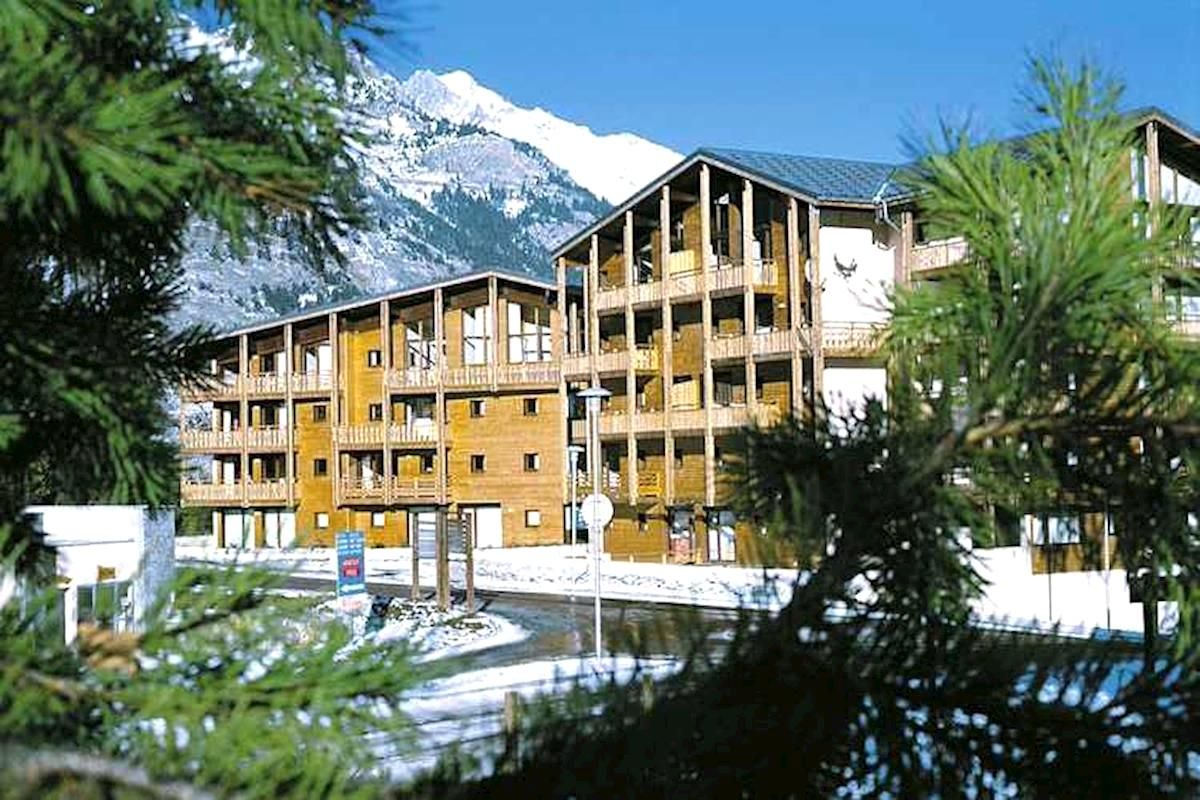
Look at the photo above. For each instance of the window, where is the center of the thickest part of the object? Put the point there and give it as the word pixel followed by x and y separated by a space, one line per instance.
pixel 374 358
pixel 375 412
pixel 720 229
pixel 533 518
pixel 266 364
pixel 378 519
pixel 427 463
pixel 320 413
pixel 478 408
pixel 320 467
pixel 420 349
pixel 528 333
pixel 530 406
pixel 677 239
pixel 322 520
pixel 1056 530
pixel 106 604
pixel 478 463
pixel 477 335
pixel 270 416
pixel 533 462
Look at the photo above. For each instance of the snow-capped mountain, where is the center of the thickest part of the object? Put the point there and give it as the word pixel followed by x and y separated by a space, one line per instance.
pixel 457 178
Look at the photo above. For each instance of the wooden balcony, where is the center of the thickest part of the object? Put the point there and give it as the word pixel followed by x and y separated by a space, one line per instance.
pixel 214 387
pixel 938 255
pixel 645 359
pixel 762 275
pixel 687 419
pixel 420 378
pixel 420 433
pixel 210 441
pixel 312 382
pixel 576 365
pixel 535 373
pixel 647 422
pixel 273 384
pixel 268 491
pixel 769 344
pixel 369 435
pixel 274 438
pixel 1188 327
pixel 196 493
pixel 353 490
pixel 726 347
pixel 470 376
pixel 735 417
pixel 419 488
pixel 852 339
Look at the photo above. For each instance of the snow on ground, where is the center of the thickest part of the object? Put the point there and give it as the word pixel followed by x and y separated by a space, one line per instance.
pixel 466 710
pixel 555 570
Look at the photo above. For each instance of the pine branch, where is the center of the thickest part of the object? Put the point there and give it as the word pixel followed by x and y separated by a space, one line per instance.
pixel 36 769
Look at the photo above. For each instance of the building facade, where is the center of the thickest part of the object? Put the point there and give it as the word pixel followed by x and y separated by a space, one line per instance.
pixel 378 414
pixel 740 287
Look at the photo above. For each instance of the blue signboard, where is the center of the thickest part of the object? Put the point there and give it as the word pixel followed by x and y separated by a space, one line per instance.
pixel 351 567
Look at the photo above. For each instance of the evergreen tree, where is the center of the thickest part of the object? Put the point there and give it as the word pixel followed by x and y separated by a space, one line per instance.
pixel 1041 372
pixel 116 130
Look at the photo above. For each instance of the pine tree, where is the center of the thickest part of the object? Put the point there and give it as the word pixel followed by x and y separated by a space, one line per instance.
pixel 116 132
pixel 1043 373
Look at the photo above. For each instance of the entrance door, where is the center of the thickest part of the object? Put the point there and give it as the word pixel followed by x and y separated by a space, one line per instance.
pixel 722 536
pixel 488 524
pixel 683 521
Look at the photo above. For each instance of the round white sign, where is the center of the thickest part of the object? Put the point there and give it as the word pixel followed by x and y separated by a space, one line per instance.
pixel 596 509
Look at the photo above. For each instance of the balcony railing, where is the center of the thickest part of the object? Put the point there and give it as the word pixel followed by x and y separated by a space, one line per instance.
pixel 535 372
pixel 208 441
pixel 312 381
pixel 576 364
pixel 776 342
pixel 851 338
pixel 939 254
pixel 215 386
pixel 648 293
pixel 647 421
pixel 471 375
pixel 419 487
pixel 762 274
pixel 763 415
pixel 267 491
pixel 271 383
pixel 413 378
pixel 729 346
pixel 266 438
pixel 367 435
pixel 687 419
pixel 202 493
pixel 360 488
pixel 420 432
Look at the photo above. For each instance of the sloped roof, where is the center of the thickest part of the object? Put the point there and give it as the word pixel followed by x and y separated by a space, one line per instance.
pixel 820 178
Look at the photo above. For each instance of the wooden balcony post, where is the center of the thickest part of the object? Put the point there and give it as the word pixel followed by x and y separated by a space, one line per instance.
pixel 335 385
pixel 818 323
pixel 795 296
pixel 244 413
pixel 439 335
pixel 668 337
pixel 749 268
pixel 630 366
pixel 1154 191
pixel 707 323
pixel 559 348
pixel 493 358
pixel 385 345
pixel 589 307
pixel 289 464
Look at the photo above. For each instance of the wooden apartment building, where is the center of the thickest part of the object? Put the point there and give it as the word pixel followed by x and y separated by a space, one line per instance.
pixel 740 286
pixel 377 414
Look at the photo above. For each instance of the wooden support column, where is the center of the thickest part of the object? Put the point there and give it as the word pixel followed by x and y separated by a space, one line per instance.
pixel 668 337
pixel 442 554
pixel 335 389
pixel 750 268
pixel 1154 191
pixel 385 344
pixel 589 307
pixel 244 413
pixel 439 337
pixel 814 267
pixel 493 357
pixel 795 300
pixel 289 358
pixel 710 454
pixel 631 452
pixel 558 343
pixel 573 327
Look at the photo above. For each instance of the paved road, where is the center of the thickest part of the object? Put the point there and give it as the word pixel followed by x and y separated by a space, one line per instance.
pixel 562 626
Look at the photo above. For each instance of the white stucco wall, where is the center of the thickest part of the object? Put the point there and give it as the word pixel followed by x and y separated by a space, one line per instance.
pixel 858 267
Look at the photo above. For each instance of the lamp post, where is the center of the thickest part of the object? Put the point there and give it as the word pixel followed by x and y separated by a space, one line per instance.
pixel 594 397
pixel 574 451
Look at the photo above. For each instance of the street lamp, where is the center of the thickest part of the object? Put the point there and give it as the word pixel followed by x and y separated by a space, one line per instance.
pixel 574 451
pixel 594 397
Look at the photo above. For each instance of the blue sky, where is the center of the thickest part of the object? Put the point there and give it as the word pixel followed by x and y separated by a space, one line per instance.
pixel 843 79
